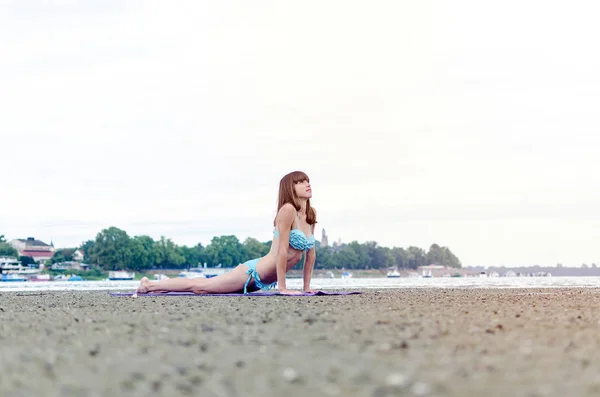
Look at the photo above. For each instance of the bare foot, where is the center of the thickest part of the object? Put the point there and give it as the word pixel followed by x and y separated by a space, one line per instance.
pixel 144 285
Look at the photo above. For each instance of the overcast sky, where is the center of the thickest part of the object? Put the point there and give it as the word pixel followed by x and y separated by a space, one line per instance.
pixel 465 123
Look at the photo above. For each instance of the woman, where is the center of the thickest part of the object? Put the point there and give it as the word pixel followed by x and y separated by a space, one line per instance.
pixel 294 234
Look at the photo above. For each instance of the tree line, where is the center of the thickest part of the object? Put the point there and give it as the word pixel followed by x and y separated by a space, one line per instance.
pixel 114 249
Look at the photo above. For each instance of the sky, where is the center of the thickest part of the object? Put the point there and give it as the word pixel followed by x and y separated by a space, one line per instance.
pixel 469 124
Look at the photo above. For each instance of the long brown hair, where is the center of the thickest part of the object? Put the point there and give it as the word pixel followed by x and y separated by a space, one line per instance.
pixel 287 194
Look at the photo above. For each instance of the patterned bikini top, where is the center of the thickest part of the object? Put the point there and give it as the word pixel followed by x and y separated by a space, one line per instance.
pixel 298 239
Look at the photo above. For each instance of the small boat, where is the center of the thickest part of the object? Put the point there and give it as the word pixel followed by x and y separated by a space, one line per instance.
pixel 75 278
pixel 120 275
pixel 346 275
pixel 12 278
pixel 159 277
pixel 41 277
pixel 191 274
pixel 427 274
pixel 214 271
pixel 29 271
pixel 393 274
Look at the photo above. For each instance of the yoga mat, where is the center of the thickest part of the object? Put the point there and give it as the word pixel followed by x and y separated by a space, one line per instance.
pixel 318 293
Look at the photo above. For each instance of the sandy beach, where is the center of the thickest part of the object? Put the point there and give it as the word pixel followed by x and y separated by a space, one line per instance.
pixel 413 342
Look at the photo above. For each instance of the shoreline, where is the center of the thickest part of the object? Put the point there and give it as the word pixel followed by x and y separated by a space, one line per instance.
pixel 414 342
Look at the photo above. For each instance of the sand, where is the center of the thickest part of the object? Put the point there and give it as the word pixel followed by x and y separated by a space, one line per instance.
pixel 413 342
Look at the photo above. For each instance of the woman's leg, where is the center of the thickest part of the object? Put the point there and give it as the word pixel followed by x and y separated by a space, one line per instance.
pixel 230 282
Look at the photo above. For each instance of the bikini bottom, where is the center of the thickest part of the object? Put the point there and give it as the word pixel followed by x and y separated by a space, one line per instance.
pixel 251 272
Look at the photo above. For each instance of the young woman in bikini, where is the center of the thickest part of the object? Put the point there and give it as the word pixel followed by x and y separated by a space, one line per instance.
pixel 293 235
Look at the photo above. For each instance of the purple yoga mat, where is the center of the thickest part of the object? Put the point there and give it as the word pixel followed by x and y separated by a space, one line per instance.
pixel 318 293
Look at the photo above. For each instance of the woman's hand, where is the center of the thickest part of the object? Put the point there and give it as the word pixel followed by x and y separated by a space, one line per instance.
pixel 290 292
pixel 311 291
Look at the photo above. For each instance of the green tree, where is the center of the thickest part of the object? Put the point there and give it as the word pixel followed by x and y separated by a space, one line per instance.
pixel 142 253
pixel 26 260
pixel 168 255
pixel 226 250
pixel 399 255
pixel 255 249
pixel 384 258
pixel 450 259
pixel 194 256
pixel 8 250
pixel 442 256
pixel 88 250
pixel 435 255
pixel 111 250
pixel 63 255
pixel 325 258
pixel 2 239
pixel 415 257
pixel 114 249
pixel 362 254
pixel 379 257
pixel 347 258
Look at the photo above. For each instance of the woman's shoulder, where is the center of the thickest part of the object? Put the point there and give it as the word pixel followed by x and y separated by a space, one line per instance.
pixel 287 211
pixel 287 208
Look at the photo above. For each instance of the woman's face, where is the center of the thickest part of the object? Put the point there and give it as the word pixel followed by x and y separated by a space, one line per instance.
pixel 303 189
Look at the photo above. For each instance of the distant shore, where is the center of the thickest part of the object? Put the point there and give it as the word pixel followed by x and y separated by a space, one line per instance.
pixel 414 342
pixel 95 274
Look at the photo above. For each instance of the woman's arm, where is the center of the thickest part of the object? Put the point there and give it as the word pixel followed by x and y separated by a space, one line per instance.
pixel 309 263
pixel 285 219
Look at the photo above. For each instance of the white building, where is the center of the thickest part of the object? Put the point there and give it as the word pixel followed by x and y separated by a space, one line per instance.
pixel 78 256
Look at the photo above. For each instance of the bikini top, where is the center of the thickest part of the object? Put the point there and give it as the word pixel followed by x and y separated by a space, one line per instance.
pixel 298 239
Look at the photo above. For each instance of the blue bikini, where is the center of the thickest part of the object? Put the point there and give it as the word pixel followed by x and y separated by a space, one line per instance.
pixel 298 240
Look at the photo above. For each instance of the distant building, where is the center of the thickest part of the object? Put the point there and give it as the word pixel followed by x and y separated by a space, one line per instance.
pixel 36 249
pixel 324 240
pixel 78 256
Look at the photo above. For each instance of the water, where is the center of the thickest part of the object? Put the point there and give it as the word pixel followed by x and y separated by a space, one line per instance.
pixel 338 283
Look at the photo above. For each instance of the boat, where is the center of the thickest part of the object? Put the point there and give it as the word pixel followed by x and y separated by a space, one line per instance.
pixel 427 273
pixel 120 275
pixel 12 278
pixel 28 271
pixel 393 274
pixel 193 273
pixel 41 277
pixel 346 275
pixel 214 271
pixel 73 277
pixel 161 276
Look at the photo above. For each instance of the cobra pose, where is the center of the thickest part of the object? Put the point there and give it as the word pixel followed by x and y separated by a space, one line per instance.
pixel 293 235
